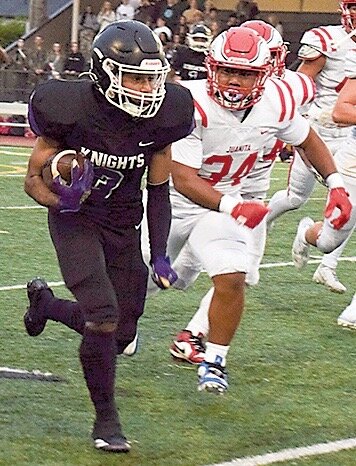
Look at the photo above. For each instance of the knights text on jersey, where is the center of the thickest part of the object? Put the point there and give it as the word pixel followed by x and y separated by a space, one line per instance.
pixel 78 116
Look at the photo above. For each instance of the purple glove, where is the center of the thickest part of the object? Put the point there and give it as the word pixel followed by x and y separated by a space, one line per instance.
pixel 162 273
pixel 71 197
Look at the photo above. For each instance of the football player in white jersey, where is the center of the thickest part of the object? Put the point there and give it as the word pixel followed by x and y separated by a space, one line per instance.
pixel 188 344
pixel 345 158
pixel 238 111
pixel 322 52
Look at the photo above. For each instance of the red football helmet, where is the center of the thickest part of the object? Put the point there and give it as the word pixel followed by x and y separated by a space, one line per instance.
pixel 277 46
pixel 241 49
pixel 348 18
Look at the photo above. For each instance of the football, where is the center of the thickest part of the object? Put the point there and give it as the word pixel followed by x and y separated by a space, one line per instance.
pixel 60 164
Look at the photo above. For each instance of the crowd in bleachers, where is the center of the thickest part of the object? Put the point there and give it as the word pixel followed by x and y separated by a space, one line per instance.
pixel 170 19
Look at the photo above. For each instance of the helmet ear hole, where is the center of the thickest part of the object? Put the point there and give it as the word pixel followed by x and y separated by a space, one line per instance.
pixel 130 47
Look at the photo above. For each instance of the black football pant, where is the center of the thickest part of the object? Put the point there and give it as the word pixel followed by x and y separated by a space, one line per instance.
pixel 103 269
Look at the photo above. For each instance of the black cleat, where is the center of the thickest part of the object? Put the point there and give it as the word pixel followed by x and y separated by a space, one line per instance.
pixel 38 292
pixel 113 444
pixel 107 436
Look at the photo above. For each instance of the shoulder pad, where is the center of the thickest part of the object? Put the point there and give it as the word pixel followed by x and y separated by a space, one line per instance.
pixel 307 52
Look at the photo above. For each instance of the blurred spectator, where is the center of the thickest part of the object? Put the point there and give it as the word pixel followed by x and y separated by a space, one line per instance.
pixel 216 28
pixel 88 27
pixel 125 10
pixel 170 10
pixel 232 21
pixel 135 4
pixel 38 60
pixel 21 64
pixel 163 28
pixel 106 15
pixel 211 15
pixel 146 12
pixel 182 29
pixel 275 22
pixel 21 60
pixel 193 14
pixel 55 61
pixel 4 58
pixel 74 63
pixel 246 10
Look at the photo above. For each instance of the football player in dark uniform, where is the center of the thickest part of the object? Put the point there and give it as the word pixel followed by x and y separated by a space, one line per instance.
pixel 188 60
pixel 122 122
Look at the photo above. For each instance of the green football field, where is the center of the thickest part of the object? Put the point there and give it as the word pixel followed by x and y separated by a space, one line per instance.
pixel 291 368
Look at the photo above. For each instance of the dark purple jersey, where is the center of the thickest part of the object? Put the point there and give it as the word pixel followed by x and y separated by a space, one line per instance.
pixel 78 116
pixel 188 63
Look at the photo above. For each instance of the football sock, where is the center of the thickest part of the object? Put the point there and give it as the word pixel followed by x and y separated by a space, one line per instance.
pixel 200 321
pixel 68 313
pixel 216 353
pixel 98 358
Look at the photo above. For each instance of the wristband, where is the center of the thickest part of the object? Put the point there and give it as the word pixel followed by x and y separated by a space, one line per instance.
pixel 227 203
pixel 334 181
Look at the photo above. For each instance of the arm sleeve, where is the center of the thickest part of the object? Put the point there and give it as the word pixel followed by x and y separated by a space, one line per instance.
pixel 158 218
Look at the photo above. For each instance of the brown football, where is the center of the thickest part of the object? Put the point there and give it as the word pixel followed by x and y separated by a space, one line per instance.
pixel 61 164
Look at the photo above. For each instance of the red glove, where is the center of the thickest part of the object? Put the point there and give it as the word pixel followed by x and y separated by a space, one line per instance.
pixel 249 213
pixel 338 198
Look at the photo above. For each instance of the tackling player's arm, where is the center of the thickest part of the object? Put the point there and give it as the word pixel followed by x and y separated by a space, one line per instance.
pixel 345 108
pixel 34 185
pixel 159 217
pixel 322 160
pixel 190 184
pixel 312 67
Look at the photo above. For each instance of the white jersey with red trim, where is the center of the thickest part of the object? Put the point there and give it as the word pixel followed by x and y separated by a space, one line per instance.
pixel 345 157
pixel 226 145
pixel 257 182
pixel 333 43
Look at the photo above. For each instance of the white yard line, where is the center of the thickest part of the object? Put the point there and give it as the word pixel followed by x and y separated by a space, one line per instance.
pixel 268 265
pixel 293 453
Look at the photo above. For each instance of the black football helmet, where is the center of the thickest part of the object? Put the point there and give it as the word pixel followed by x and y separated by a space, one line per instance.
pixel 129 47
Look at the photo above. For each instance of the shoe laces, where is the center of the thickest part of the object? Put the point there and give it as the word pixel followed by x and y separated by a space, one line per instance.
pixel 217 370
pixel 197 343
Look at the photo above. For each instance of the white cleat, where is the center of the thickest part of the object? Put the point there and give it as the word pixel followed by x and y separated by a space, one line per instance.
pixel 325 275
pixel 300 248
pixel 348 317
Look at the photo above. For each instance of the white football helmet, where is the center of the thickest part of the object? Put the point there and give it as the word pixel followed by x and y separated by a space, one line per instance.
pixel 276 44
pixel 199 38
pixel 129 47
pixel 241 49
pixel 348 18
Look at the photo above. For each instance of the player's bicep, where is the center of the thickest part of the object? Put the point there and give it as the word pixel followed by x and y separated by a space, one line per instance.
pixel 160 166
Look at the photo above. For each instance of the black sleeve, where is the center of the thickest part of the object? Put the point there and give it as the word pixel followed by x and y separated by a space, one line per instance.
pixel 158 218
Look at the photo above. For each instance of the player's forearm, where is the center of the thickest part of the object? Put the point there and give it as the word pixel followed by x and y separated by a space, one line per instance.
pixel 199 191
pixel 35 188
pixel 318 154
pixel 345 114
pixel 158 218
